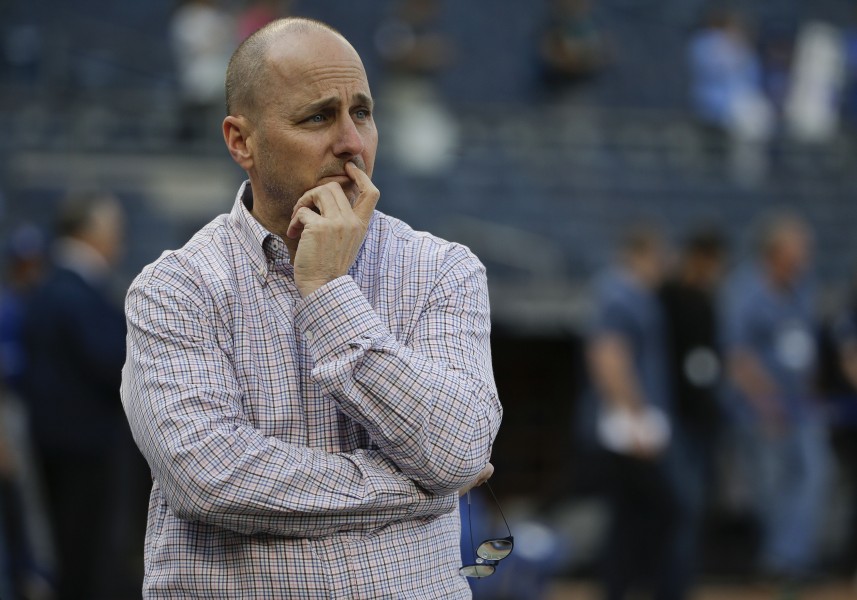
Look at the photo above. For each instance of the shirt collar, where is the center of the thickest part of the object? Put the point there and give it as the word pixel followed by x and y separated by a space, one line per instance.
pixel 263 247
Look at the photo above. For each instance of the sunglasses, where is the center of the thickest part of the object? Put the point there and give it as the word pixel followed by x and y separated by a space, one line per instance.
pixel 489 552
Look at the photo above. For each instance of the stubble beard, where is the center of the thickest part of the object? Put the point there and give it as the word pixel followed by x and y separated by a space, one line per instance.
pixel 276 184
pixel 279 183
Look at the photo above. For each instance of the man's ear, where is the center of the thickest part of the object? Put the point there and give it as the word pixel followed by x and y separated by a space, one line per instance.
pixel 236 134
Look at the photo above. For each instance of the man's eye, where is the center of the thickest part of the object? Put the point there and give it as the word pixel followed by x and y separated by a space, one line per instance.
pixel 317 119
pixel 362 114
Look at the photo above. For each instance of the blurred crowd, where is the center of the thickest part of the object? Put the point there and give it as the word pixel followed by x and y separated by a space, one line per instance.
pixel 690 361
pixel 754 83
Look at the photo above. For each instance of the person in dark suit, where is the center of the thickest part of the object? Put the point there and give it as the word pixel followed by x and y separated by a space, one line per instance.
pixel 74 342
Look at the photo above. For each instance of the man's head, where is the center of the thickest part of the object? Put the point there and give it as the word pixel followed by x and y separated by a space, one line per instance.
pixel 299 108
pixel 703 258
pixel 96 219
pixel 246 73
pixel 645 253
pixel 24 256
pixel 785 244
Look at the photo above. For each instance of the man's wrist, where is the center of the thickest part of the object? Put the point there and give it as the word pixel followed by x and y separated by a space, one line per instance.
pixel 334 315
pixel 307 288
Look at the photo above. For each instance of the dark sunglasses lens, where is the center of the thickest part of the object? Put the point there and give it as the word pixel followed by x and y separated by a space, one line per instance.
pixel 494 549
pixel 477 570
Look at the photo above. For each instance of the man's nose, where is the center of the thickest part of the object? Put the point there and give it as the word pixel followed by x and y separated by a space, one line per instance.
pixel 348 140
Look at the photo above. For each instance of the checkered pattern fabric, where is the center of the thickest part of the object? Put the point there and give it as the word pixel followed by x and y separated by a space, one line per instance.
pixel 308 447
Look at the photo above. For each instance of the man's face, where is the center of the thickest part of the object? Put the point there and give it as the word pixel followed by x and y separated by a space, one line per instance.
pixel 795 254
pixel 790 256
pixel 106 231
pixel 315 115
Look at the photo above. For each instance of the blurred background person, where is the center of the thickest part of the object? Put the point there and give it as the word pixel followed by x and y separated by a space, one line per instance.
pixel 415 52
pixel 23 268
pixel 845 335
pixel 628 364
pixel 74 349
pixel 8 545
pixel 22 575
pixel 841 383
pixel 573 48
pixel 695 366
pixel 849 84
pixel 28 552
pixel 727 91
pixel 776 42
pixel 257 13
pixel 410 41
pixel 202 35
pixel 770 337
pixel 813 105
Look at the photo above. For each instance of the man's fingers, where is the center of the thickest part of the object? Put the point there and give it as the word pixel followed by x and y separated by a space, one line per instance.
pixel 301 219
pixel 329 201
pixel 326 200
pixel 485 474
pixel 368 195
pixel 330 198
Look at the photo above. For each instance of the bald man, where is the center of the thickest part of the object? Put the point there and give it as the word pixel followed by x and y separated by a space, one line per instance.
pixel 309 379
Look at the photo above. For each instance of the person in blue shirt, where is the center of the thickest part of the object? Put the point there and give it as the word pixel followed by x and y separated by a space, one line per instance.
pixel 727 93
pixel 25 557
pixel 629 409
pixel 770 339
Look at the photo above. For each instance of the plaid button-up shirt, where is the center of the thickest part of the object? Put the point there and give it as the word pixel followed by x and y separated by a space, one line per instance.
pixel 308 447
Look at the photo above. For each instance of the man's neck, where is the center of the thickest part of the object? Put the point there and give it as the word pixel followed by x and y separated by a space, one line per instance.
pixel 80 257
pixel 273 223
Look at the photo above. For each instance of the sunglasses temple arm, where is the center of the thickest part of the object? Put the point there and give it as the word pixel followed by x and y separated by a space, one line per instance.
pixel 497 502
pixel 470 526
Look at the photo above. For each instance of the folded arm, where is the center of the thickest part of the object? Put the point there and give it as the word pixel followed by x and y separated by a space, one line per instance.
pixel 429 402
pixel 184 405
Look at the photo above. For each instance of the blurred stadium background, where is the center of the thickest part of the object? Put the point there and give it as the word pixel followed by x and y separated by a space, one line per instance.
pixel 89 98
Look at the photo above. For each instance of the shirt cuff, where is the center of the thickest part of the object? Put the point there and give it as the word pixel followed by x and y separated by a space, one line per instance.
pixel 336 316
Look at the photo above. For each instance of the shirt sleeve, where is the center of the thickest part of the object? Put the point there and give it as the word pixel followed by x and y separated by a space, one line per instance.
pixel 429 402
pixel 184 406
pixel 741 322
pixel 612 317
